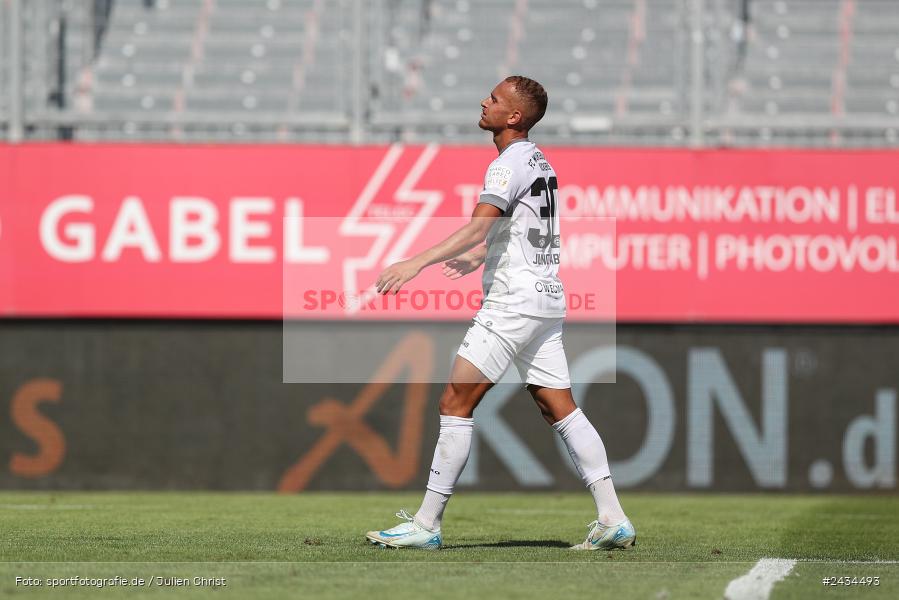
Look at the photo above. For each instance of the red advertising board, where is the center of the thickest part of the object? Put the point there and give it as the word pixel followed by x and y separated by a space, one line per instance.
pixel 203 231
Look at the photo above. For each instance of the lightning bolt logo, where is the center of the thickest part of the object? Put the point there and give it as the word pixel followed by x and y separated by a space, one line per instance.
pixel 394 236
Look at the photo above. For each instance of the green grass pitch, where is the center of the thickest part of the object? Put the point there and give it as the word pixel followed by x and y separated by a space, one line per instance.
pixel 496 545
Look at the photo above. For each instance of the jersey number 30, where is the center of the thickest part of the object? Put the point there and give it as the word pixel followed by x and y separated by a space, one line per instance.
pixel 547 189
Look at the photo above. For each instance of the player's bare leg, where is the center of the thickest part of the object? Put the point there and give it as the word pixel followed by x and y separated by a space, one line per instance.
pixel 460 397
pixel 554 404
pixel 464 391
pixel 612 529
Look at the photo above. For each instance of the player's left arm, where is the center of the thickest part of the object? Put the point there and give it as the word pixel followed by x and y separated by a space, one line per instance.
pixel 466 238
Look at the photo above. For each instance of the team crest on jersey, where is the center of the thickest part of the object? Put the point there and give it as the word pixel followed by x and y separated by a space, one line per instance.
pixel 498 178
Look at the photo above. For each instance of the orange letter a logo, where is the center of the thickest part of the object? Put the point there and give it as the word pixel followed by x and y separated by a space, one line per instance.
pixel 345 424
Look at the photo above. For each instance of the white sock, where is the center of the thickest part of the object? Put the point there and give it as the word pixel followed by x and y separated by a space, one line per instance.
pixel 589 456
pixel 450 456
pixel 431 512
pixel 608 509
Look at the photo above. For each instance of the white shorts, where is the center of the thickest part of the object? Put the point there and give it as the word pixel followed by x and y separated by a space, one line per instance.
pixel 497 338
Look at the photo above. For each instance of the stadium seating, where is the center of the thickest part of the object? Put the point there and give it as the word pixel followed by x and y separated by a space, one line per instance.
pixel 226 58
pixel 811 59
pixel 800 52
pixel 4 67
pixel 612 58
pixel 283 69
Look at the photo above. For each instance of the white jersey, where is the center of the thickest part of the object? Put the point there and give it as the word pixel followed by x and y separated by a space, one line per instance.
pixel 521 271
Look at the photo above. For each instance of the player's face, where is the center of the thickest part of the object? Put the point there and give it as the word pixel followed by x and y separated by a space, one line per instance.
pixel 497 108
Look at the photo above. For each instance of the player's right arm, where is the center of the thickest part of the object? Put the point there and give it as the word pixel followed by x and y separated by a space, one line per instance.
pixel 464 239
pixel 501 186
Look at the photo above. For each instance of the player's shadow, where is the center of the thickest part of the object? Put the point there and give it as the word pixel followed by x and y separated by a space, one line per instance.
pixel 514 544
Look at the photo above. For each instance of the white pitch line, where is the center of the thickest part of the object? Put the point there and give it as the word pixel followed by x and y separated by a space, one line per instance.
pixel 45 506
pixel 849 562
pixel 758 582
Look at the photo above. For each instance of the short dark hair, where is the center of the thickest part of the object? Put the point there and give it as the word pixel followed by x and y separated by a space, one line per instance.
pixel 532 93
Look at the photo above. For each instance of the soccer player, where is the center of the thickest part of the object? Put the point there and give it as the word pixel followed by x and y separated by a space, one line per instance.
pixel 516 215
